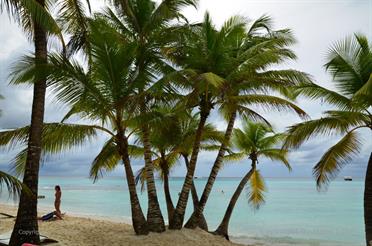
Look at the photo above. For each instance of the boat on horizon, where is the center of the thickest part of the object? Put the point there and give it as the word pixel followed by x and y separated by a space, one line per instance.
pixel 348 178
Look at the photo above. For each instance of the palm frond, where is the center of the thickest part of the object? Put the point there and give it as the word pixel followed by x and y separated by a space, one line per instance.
pixel 276 155
pixel 12 184
pixel 140 176
pixel 272 103
pixel 335 158
pixel 299 133
pixel 314 91
pixel 256 189
pixel 346 65
pixel 235 156
pixel 106 161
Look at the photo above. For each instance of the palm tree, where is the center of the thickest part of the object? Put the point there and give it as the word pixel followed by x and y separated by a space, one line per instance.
pixel 255 140
pixel 255 49
pixel 36 21
pixel 223 69
pixel 350 64
pixel 148 24
pixel 100 93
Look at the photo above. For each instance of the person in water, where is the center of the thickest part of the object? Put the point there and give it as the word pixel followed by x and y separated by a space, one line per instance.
pixel 57 201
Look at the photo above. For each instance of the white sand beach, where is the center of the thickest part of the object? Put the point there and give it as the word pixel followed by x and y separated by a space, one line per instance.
pixel 80 231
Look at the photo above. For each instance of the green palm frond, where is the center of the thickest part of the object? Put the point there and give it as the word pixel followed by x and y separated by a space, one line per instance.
pixel 251 115
pixel 13 185
pixel 13 138
pixel 25 12
pixel 333 124
pixel 276 155
pixel 350 63
pixel 256 189
pixel 314 91
pixel 135 151
pixel 56 138
pixel 106 161
pixel 235 156
pixel 335 158
pixel 271 103
pixel 140 177
pixel 72 18
pixel 364 93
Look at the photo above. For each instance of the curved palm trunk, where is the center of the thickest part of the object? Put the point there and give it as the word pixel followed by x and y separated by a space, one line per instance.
pixel 222 229
pixel 179 214
pixel 168 197
pixel 194 220
pixel 195 200
pixel 138 219
pixel 155 218
pixel 368 203
pixel 26 226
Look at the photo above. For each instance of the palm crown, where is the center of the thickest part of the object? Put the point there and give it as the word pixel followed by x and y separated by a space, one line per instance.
pixel 256 141
pixel 350 63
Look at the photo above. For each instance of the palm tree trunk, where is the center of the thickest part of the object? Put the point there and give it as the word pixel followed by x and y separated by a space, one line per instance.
pixel 155 218
pixel 368 203
pixel 138 219
pixel 26 226
pixel 194 220
pixel 168 197
pixel 179 214
pixel 195 200
pixel 222 229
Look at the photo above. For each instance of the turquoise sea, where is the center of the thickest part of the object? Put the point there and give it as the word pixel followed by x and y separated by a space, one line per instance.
pixel 295 213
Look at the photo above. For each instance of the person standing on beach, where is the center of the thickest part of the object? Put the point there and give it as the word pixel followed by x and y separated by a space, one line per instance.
pixel 57 201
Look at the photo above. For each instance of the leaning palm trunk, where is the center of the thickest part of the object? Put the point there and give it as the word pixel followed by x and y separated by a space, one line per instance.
pixel 168 197
pixel 155 218
pixel 179 214
pixel 223 228
pixel 138 219
pixel 27 210
pixel 194 220
pixel 368 203
pixel 195 200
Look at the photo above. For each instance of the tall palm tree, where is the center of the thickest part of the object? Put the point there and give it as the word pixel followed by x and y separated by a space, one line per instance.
pixel 350 63
pixel 148 24
pixel 254 141
pixel 100 93
pixel 256 48
pixel 36 21
pixel 223 69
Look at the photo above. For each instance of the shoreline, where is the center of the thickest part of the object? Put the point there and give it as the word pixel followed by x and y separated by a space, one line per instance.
pixel 83 230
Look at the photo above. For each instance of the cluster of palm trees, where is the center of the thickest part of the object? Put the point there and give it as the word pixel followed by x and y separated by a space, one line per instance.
pixel 149 80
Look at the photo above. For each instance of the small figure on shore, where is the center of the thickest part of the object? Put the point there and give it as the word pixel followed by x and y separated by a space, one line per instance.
pixel 57 201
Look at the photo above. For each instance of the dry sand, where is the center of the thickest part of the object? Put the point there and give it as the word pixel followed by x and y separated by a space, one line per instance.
pixel 79 231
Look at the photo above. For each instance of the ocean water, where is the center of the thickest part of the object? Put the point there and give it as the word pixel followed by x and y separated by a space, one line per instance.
pixel 295 213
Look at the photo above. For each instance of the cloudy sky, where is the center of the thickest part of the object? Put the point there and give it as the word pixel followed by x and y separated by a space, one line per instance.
pixel 316 25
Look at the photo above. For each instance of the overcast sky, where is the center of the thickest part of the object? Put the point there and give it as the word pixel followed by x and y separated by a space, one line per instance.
pixel 316 24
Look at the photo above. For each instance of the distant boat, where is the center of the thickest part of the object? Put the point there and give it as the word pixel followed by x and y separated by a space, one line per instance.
pixel 348 178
